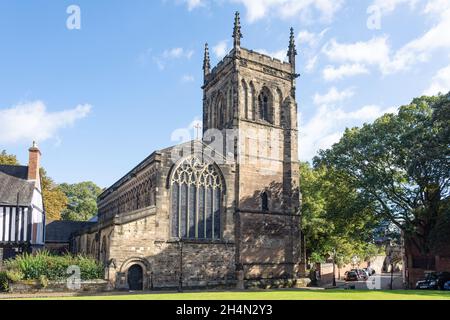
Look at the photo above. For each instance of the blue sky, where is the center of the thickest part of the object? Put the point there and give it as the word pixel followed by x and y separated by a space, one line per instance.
pixel 101 98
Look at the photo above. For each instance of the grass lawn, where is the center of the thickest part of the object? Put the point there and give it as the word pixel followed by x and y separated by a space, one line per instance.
pixel 278 295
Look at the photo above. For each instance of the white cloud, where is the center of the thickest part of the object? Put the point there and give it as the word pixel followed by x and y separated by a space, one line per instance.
pixel 221 49
pixel 192 4
pixel 167 55
pixel 440 82
pixel 280 54
pixel 333 96
pixel 327 126
pixel 372 52
pixel 177 53
pixel 421 48
pixel 311 38
pixel 377 51
pixel 309 43
pixel 311 63
pixel 259 9
pixel 436 6
pixel 31 121
pixel 187 78
pixel 331 73
pixel 388 6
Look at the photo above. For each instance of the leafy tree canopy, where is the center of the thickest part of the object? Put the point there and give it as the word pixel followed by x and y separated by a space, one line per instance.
pixel 400 165
pixel 336 222
pixel 55 200
pixel 82 200
pixel 8 159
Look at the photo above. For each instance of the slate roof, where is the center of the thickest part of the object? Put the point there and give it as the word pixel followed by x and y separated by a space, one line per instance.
pixel 14 186
pixel 60 231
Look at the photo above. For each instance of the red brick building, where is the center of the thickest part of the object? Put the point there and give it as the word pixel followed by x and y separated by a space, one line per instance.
pixel 417 265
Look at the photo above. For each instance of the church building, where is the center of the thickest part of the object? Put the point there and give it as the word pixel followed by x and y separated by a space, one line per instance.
pixel 220 211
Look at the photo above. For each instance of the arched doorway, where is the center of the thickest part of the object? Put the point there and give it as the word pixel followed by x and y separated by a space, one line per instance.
pixel 135 278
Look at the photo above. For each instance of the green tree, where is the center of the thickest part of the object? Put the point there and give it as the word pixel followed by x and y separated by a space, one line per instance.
pixel 82 198
pixel 55 201
pixel 8 159
pixel 401 165
pixel 334 219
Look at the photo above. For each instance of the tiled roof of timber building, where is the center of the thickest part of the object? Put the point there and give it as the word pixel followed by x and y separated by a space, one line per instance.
pixel 15 189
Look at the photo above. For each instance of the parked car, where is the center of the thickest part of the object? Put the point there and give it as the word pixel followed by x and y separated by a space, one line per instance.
pixel 447 286
pixel 351 276
pixel 434 281
pixel 370 271
pixel 362 275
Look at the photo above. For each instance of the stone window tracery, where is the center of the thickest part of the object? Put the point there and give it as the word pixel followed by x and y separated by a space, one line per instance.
pixel 196 200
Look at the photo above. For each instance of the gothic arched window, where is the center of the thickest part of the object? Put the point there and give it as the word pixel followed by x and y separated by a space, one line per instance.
pixel 264 201
pixel 252 102
pixel 103 251
pixel 196 200
pixel 265 105
pixel 222 114
pixel 245 92
pixel 220 110
pixel 229 112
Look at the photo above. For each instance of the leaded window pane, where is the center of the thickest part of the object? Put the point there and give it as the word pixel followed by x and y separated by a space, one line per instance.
pixel 196 200
pixel 175 201
pixel 183 211
pixel 201 212
pixel 209 212
pixel 192 211
pixel 217 208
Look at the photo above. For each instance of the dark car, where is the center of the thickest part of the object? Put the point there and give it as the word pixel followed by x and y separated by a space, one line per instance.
pixel 434 281
pixel 362 275
pixel 447 286
pixel 351 276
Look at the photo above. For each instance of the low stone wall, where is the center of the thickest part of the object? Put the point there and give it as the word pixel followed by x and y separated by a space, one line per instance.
pixel 59 286
pixel 277 283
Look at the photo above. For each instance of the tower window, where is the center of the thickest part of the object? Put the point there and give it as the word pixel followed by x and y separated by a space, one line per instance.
pixel 264 101
pixel 264 201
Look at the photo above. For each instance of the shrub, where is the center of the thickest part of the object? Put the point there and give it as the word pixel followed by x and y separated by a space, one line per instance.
pixel 15 275
pixel 43 281
pixel 4 282
pixel 54 267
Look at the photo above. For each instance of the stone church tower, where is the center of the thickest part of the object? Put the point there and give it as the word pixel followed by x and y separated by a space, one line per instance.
pixel 249 103
pixel 223 211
